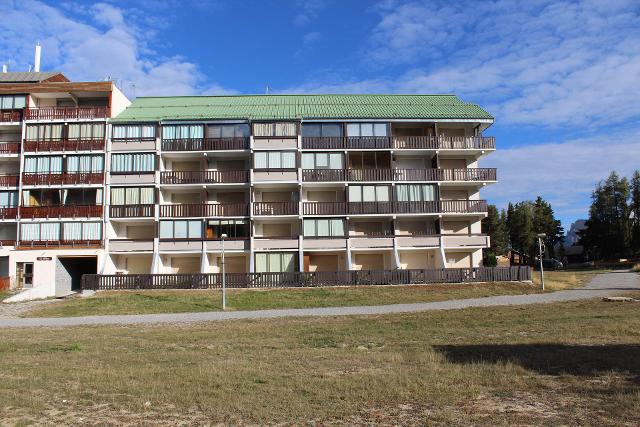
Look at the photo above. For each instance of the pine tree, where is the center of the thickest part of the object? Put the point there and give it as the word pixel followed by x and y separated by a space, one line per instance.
pixel 634 211
pixel 495 228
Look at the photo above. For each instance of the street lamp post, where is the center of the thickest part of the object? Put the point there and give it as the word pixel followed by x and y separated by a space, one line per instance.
pixel 224 279
pixel 540 237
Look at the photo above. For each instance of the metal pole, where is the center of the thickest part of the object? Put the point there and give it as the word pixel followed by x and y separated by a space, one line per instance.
pixel 224 281
pixel 541 268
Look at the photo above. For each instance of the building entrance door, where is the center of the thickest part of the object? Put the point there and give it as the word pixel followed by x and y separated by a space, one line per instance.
pixel 24 274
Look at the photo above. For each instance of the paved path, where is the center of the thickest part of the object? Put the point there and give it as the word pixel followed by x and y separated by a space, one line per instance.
pixel 602 285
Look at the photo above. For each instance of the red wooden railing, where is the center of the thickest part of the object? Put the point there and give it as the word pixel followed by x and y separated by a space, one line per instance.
pixel 8 213
pixel 9 147
pixel 204 177
pixel 39 244
pixel 72 211
pixel 363 175
pixel 10 115
pixel 204 210
pixel 400 142
pixel 131 211
pixel 62 178
pixel 65 145
pixel 275 208
pixel 9 180
pixel 362 208
pixel 206 144
pixel 51 113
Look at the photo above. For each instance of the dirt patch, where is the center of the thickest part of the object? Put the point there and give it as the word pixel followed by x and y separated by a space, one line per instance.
pixel 17 309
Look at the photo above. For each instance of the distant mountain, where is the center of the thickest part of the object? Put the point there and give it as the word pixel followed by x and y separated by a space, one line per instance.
pixel 572 238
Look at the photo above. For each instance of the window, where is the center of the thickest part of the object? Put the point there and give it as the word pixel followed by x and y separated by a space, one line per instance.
pixel 275 160
pixel 322 161
pixel 367 129
pixel 240 130
pixel 321 129
pixel 415 193
pixel 368 193
pixel 133 163
pixel 84 196
pixel 85 131
pixel 232 228
pixel 47 132
pixel 281 129
pixel 134 132
pixel 81 231
pixel 331 227
pixel 8 199
pixel 48 231
pixel 11 102
pixel 43 164
pixel 276 262
pixel 182 229
pixel 183 132
pixel 85 164
pixel 132 195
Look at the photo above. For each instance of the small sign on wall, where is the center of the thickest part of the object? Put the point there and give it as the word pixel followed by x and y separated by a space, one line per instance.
pixel 44 258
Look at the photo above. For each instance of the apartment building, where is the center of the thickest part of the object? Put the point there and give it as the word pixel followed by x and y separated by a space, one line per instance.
pixel 53 158
pixel 296 183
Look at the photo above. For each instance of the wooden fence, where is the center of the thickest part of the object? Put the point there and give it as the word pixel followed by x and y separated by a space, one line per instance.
pixel 306 279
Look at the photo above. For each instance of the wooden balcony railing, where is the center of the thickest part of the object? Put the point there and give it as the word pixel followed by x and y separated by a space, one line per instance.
pixel 363 208
pixel 305 279
pixel 64 178
pixel 10 115
pixel 9 180
pixel 9 147
pixel 40 244
pixel 71 211
pixel 65 145
pixel 204 177
pixel 8 213
pixel 275 208
pixel 52 113
pixel 131 211
pixel 206 144
pixel 363 175
pixel 204 210
pixel 400 142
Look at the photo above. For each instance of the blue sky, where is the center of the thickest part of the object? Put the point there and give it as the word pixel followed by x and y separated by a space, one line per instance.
pixel 562 78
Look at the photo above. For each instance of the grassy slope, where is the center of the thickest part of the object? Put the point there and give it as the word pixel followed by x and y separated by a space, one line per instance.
pixel 567 363
pixel 140 302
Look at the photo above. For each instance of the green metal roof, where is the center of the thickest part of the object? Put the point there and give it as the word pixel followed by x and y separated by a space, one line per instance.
pixel 295 107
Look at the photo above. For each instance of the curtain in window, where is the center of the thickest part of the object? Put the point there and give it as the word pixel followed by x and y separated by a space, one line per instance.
pixel 288 262
pixel 32 132
pixel 337 227
pixel 98 196
pixel 308 161
pixel 323 228
pixel 260 159
pixel 97 131
pixel 353 129
pixel 415 193
pixel 335 161
pixel 262 129
pixel 355 193
pixel 133 132
pixel 74 131
pixel 119 132
pixel 8 199
pixel 288 160
pixel 72 231
pixel 285 129
pixel 275 263
pixel 43 164
pixel 402 193
pixel 117 196
pixel 29 232
pixel 148 131
pixel 368 193
pixel 147 196
pixel 50 231
pixel 309 227
pixel 92 231
pixel 97 164
pixel 261 259
pixel 56 165
pixel 322 160
pixel 133 162
pixel 30 164
pixel 382 194
pixel 380 129
pixel 429 192
pixel 73 164
pixel 274 160
pixel 169 132
pixel 132 195
pixel 166 229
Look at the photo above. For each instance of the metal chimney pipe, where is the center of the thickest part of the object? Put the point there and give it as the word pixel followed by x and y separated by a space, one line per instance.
pixel 36 60
pixel 4 68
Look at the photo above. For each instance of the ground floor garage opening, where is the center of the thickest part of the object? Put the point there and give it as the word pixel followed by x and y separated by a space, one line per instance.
pixel 69 271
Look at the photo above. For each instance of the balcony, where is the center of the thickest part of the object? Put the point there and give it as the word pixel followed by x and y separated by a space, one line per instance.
pixel 206 144
pixel 204 210
pixel 10 116
pixel 65 145
pixel 366 175
pixel 131 211
pixel 366 208
pixel 400 142
pixel 262 243
pixel 9 180
pixel 275 208
pixel 8 213
pixel 468 240
pixel 64 178
pixel 204 177
pixel 53 113
pixel 9 148
pixel 52 244
pixel 73 211
pixel 130 245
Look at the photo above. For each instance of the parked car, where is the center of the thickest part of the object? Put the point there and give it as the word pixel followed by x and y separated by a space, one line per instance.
pixel 551 264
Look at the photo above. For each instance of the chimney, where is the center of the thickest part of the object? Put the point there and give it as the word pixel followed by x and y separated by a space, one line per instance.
pixel 5 68
pixel 36 61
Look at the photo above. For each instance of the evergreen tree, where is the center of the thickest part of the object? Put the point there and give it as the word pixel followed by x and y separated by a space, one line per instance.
pixel 634 211
pixel 545 222
pixel 493 225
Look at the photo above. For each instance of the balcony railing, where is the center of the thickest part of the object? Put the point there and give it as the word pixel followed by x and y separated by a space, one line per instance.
pixel 8 213
pixel 65 145
pixel 52 113
pixel 9 180
pixel 206 144
pixel 364 208
pixel 40 244
pixel 64 178
pixel 400 142
pixel 72 211
pixel 204 177
pixel 131 211
pixel 9 147
pixel 363 175
pixel 10 115
pixel 275 208
pixel 204 210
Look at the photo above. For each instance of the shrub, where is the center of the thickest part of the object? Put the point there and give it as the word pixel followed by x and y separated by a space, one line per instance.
pixel 491 261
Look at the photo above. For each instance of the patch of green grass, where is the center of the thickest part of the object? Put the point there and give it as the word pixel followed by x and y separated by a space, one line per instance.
pixel 144 302
pixel 550 364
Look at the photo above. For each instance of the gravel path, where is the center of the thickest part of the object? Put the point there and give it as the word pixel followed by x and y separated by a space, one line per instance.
pixel 13 310
pixel 602 285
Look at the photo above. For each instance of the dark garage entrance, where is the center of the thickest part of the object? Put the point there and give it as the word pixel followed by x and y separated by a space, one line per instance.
pixel 71 270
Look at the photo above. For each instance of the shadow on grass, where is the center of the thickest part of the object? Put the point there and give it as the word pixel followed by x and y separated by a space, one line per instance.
pixel 553 359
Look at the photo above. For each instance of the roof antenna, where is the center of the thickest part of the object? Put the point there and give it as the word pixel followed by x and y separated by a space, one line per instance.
pixel 268 89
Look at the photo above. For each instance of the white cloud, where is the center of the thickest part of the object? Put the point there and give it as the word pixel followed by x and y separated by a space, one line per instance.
pixel 564 173
pixel 97 44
